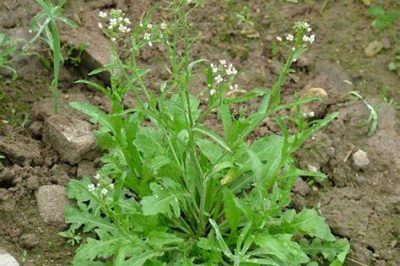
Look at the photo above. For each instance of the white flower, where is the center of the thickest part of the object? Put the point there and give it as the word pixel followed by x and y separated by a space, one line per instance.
pixel 91 187
pixel 150 44
pixel 127 21
pixel 214 68
pixel 97 177
pixel 222 62
pixel 309 39
pixel 149 26
pixel 100 26
pixel 111 186
pixel 113 39
pixel 163 25
pixel 102 14
pixel 113 22
pixel 231 70
pixel 279 38
pixel 218 79
pixel 289 37
pixel 233 87
pixel 104 191
pixel 212 92
pixel 147 36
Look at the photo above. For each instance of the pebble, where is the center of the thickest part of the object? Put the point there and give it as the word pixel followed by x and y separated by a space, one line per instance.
pixel 301 187
pixel 51 201
pixel 6 259
pixel 373 48
pixel 29 240
pixel 360 159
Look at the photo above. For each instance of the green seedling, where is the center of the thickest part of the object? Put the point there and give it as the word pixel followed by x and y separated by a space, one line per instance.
pixel 372 120
pixel 172 190
pixel 383 19
pixel 44 24
pixel 7 48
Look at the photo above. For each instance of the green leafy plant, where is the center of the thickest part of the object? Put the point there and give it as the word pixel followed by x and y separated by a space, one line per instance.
pixel 45 26
pixel 383 19
pixel 173 191
pixel 7 48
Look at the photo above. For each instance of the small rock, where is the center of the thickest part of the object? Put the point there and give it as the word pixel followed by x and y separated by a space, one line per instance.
pixel 86 168
pixel 71 137
pixel 315 109
pixel 276 67
pixel 312 168
pixel 366 2
pixel 301 187
pixel 6 259
pixel 360 159
pixel 32 182
pixel 303 62
pixel 21 150
pixel 36 129
pixel 97 52
pixel 51 201
pixel 4 194
pixel 29 241
pixel 373 48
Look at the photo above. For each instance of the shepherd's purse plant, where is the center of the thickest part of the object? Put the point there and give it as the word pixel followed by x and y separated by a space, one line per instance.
pixel 173 191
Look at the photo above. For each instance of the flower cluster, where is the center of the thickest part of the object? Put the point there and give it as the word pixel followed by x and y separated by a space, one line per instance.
pixel 223 72
pixel 104 185
pixel 302 33
pixel 115 24
pixel 149 30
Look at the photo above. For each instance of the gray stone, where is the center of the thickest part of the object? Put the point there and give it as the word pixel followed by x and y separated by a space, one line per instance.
pixel 21 150
pixel 373 48
pixel 360 159
pixel 6 259
pixel 301 187
pixel 29 240
pixel 51 201
pixel 71 137
pixel 97 48
pixel 86 168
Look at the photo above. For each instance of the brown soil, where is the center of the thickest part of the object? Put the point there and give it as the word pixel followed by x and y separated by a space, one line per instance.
pixel 360 203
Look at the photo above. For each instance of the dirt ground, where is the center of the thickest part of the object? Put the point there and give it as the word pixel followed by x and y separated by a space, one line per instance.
pixel 360 199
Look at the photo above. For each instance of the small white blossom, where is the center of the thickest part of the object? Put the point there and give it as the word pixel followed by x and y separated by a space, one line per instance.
pixel 149 26
pixel 147 36
pixel 113 39
pixel 111 186
pixel 100 26
pixel 309 39
pixel 289 37
pixel 231 70
pixel 163 25
pixel 212 92
pixel 104 191
pixel 102 14
pixel 127 21
pixel 97 177
pixel 222 62
pixel 218 79
pixel 91 187
pixel 233 87
pixel 279 38
pixel 214 68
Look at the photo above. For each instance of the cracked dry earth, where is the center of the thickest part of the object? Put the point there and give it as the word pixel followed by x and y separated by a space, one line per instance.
pixel 361 197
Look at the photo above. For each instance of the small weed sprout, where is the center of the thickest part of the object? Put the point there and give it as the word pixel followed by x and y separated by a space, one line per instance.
pixel 7 48
pixel 373 114
pixel 173 191
pixel 383 19
pixel 44 24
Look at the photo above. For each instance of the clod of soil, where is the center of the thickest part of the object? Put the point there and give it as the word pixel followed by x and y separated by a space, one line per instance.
pixel 51 201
